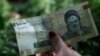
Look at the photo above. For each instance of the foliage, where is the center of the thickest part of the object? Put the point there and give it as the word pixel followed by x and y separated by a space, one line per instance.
pixel 8 44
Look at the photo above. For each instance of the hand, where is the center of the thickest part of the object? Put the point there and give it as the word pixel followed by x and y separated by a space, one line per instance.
pixel 59 47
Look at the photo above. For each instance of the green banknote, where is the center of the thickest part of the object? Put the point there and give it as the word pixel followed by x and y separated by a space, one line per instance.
pixel 72 23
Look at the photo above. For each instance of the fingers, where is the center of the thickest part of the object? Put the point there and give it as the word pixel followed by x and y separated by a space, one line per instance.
pixel 69 44
pixel 56 41
pixel 46 54
pixel 59 47
pixel 74 53
pixel 42 54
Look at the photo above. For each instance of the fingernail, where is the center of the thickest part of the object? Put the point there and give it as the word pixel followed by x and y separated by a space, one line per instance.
pixel 50 54
pixel 69 45
pixel 52 34
pixel 44 54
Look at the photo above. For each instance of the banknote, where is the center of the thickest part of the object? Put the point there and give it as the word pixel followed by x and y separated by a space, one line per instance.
pixel 71 23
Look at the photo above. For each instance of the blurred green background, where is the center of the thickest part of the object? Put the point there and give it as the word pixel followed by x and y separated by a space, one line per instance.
pixel 10 9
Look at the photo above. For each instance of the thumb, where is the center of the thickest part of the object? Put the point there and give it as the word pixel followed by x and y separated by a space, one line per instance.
pixel 60 47
pixel 56 41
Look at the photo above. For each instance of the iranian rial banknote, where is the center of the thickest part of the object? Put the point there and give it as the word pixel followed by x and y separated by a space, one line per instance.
pixel 72 23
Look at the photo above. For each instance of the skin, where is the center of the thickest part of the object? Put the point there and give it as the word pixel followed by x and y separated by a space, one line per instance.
pixel 59 47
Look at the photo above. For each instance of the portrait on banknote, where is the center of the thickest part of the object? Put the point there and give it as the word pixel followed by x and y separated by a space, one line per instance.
pixel 74 23
pixel 72 20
